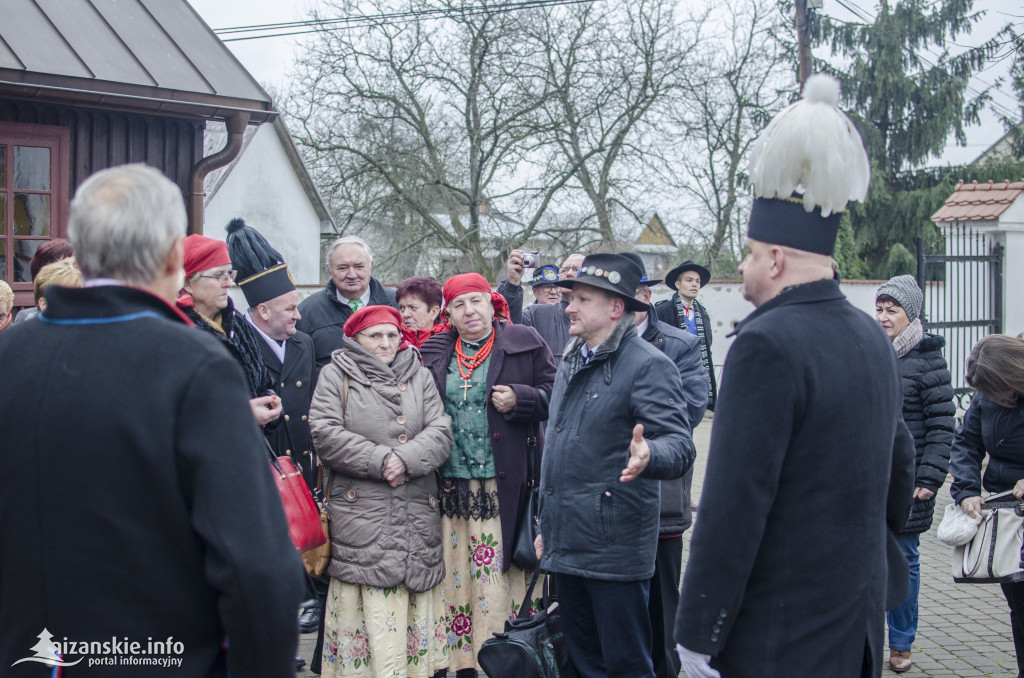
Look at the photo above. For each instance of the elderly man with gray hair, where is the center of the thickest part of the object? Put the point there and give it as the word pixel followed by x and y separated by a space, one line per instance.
pixel 350 288
pixel 137 504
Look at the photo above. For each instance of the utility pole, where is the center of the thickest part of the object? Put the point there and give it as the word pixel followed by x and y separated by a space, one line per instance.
pixel 803 42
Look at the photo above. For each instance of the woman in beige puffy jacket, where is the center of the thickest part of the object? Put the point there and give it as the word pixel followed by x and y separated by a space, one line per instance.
pixel 381 432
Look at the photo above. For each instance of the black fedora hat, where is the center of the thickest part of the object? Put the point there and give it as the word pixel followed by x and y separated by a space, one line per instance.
pixel 636 259
pixel 688 265
pixel 613 273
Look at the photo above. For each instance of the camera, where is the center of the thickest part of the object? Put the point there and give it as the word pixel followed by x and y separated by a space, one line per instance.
pixel 531 259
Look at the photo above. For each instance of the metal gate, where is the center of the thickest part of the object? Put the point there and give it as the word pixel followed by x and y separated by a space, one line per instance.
pixel 963 296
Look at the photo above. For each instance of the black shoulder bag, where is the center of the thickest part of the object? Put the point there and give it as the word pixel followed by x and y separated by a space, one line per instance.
pixel 532 646
pixel 528 524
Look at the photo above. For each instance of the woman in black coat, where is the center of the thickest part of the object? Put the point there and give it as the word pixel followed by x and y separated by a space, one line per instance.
pixel 204 299
pixel 994 425
pixel 495 381
pixel 928 411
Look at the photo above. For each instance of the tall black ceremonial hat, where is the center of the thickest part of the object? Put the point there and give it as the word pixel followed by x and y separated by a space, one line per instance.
pixel 262 272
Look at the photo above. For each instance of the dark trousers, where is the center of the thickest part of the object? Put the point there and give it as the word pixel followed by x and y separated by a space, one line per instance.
pixel 606 626
pixel 661 608
pixel 1014 594
pixel 320 585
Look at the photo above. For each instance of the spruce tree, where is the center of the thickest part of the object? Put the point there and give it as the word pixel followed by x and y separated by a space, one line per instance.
pixel 906 103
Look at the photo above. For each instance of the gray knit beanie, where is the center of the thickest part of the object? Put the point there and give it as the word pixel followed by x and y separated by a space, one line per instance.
pixel 904 289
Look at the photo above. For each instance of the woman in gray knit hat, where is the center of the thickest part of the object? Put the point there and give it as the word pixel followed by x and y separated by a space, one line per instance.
pixel 928 412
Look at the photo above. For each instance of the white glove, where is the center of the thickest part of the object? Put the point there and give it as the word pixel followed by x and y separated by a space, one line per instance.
pixel 696 665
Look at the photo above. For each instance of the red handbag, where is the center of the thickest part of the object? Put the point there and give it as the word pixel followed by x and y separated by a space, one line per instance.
pixel 299 508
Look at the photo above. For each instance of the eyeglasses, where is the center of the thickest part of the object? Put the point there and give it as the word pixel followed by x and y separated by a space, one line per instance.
pixel 392 337
pixel 222 277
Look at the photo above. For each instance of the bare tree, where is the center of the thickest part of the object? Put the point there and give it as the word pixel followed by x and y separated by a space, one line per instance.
pixel 606 66
pixel 430 122
pixel 738 76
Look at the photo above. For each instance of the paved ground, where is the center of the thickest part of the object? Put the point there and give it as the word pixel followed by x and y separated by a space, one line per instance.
pixel 964 629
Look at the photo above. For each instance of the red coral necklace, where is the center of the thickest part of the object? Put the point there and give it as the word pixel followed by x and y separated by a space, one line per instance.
pixel 471 363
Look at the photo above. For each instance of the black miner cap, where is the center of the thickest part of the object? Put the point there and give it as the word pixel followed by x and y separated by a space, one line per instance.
pixel 262 273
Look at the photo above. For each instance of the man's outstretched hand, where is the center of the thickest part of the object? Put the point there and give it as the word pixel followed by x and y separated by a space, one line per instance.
pixel 639 455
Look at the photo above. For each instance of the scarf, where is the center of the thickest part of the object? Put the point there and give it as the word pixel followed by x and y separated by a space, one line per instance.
pixel 698 319
pixel 906 340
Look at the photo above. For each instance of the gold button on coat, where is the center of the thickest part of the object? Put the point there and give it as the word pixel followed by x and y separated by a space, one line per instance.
pixel 401 386
pixel 298 384
pixel 402 438
pixel 401 419
pixel 287 418
pixel 304 417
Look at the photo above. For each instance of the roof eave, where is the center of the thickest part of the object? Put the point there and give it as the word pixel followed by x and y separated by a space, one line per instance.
pixel 129 98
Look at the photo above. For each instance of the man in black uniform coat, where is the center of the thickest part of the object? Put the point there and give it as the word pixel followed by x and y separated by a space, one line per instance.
pixel 810 461
pixel 350 288
pixel 288 354
pixel 136 497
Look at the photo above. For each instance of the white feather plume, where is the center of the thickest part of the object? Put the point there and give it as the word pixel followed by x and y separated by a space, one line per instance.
pixel 812 148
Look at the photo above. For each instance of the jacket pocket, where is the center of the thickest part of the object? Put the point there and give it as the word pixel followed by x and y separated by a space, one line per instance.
pixel 425 519
pixel 359 513
pixel 607 501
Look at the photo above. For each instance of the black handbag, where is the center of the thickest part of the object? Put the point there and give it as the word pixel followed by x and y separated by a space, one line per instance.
pixel 532 646
pixel 528 525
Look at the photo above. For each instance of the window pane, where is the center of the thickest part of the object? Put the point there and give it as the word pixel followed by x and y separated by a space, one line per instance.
pixel 31 214
pixel 24 250
pixel 32 168
pixel 3 213
pixel 3 167
pixel 3 259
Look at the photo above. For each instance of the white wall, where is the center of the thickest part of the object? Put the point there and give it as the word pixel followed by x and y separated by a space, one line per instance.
pixel 263 189
pixel 726 306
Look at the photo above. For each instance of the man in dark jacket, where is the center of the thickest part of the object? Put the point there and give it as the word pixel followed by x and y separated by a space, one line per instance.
pixel 350 288
pixel 686 313
pixel 676 515
pixel 550 320
pixel 136 502
pixel 809 461
pixel 617 426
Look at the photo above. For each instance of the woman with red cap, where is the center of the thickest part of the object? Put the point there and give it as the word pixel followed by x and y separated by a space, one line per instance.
pixel 204 299
pixel 495 380
pixel 381 433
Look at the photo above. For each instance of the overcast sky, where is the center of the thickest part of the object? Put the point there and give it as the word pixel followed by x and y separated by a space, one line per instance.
pixel 270 60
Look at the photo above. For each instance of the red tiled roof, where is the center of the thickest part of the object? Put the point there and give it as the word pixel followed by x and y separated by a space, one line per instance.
pixel 979 202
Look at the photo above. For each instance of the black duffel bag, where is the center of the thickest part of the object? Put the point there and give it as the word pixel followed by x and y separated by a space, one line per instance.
pixel 532 646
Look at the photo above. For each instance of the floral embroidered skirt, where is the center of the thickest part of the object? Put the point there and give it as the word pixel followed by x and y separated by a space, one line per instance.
pixel 383 632
pixel 479 597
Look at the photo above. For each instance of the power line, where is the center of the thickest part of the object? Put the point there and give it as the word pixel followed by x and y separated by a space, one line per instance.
pixel 998 107
pixel 288 28
pixel 861 14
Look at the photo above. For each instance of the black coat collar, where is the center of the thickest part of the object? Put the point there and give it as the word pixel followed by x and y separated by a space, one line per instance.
pixel 808 293
pixel 106 303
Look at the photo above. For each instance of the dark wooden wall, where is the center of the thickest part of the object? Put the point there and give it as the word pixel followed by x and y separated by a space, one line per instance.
pixel 101 139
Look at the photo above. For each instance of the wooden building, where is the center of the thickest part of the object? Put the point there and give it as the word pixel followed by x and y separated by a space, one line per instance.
pixel 91 84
